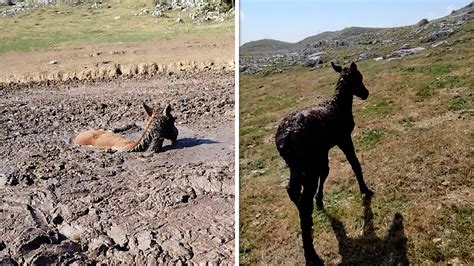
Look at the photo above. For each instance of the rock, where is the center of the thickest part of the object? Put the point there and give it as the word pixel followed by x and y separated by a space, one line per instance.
pixel 406 52
pixel 405 46
pixel 143 12
pixel 422 22
pixel 144 240
pixel 96 5
pixel 434 45
pixel 179 20
pixel 378 58
pixel 53 62
pixel 100 244
pixel 117 17
pixel 368 55
pixel 438 35
pixel 72 232
pixel 314 59
pixel 118 234
pixel 392 59
pixel 157 13
pixel 8 261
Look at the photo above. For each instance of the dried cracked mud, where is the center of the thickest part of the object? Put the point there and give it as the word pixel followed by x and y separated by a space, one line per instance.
pixel 65 204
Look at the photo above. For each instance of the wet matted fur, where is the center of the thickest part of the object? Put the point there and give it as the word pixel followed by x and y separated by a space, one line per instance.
pixel 304 139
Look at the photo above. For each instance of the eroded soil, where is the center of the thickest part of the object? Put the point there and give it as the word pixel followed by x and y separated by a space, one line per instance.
pixel 109 61
pixel 64 203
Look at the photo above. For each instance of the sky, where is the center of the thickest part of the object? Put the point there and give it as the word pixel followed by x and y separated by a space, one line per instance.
pixel 294 20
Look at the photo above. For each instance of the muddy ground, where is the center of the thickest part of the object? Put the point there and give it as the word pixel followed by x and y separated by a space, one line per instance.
pixel 62 203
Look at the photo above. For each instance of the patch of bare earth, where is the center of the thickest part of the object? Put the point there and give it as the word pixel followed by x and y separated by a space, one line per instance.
pixel 63 203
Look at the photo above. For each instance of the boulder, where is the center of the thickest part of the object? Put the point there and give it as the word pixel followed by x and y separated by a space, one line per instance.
pixel 314 59
pixel 438 35
pixel 406 52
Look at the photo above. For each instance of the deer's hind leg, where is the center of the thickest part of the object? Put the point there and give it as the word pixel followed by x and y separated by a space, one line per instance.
pixel 294 185
pixel 324 164
pixel 305 208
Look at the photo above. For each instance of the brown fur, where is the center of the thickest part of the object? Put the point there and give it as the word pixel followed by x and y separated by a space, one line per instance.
pixel 160 125
pixel 104 139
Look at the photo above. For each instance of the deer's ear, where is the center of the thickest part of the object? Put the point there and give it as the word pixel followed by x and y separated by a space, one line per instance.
pixel 148 109
pixel 167 110
pixel 353 67
pixel 336 68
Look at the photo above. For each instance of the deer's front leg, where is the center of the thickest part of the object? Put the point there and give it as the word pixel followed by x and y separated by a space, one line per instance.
pixel 348 148
pixel 156 145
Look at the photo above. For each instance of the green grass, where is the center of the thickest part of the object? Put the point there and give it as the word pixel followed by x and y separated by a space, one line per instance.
pixel 380 107
pixel 435 70
pixel 65 25
pixel 369 138
pixel 457 103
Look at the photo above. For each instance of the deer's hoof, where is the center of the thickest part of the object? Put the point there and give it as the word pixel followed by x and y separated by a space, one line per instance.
pixel 368 193
pixel 319 205
pixel 314 260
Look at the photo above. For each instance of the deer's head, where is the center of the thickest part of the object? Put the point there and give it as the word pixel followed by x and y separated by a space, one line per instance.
pixel 353 79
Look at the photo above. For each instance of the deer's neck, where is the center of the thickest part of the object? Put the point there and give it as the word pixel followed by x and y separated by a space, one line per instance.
pixel 148 136
pixel 342 98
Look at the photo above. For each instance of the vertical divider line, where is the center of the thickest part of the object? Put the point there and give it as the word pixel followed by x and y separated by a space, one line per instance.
pixel 236 133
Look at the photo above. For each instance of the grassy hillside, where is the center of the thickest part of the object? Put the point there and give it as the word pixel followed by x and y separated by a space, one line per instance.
pixel 66 25
pixel 414 137
pixel 264 45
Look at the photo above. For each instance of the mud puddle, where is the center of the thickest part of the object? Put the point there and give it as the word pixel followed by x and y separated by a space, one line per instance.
pixel 62 203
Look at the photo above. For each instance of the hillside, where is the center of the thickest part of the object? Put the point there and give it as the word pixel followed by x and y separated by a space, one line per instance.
pixel 264 45
pixel 353 43
pixel 413 136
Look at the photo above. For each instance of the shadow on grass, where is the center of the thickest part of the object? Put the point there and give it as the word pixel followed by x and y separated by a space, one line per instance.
pixel 369 249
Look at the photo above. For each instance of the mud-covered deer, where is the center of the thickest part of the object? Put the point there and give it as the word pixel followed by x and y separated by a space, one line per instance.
pixel 160 126
pixel 304 139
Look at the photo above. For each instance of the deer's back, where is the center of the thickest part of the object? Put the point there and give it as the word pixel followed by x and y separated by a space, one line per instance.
pixel 104 139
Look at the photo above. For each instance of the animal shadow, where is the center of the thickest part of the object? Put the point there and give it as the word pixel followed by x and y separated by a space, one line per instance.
pixel 369 249
pixel 188 143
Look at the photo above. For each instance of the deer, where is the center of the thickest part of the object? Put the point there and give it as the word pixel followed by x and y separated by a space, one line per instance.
pixel 303 140
pixel 160 126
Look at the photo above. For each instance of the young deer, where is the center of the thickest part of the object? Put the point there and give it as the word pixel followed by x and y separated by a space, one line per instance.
pixel 160 126
pixel 304 139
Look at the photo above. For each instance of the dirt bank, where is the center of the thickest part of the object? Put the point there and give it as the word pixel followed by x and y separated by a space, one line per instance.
pixel 106 61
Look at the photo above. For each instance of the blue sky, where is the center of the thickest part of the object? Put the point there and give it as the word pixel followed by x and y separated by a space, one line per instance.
pixel 293 20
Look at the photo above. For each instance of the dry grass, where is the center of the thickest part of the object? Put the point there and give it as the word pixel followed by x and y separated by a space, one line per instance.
pixel 416 151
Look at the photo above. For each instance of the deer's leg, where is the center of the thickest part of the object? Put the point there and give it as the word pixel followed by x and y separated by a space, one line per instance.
pixel 348 148
pixel 123 128
pixel 305 208
pixel 294 185
pixel 324 163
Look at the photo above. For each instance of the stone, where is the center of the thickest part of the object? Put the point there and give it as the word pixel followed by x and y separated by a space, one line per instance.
pixel 118 234
pixel 438 35
pixel 314 59
pixel 406 52
pixel 368 55
pixel 434 45
pixel 422 22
